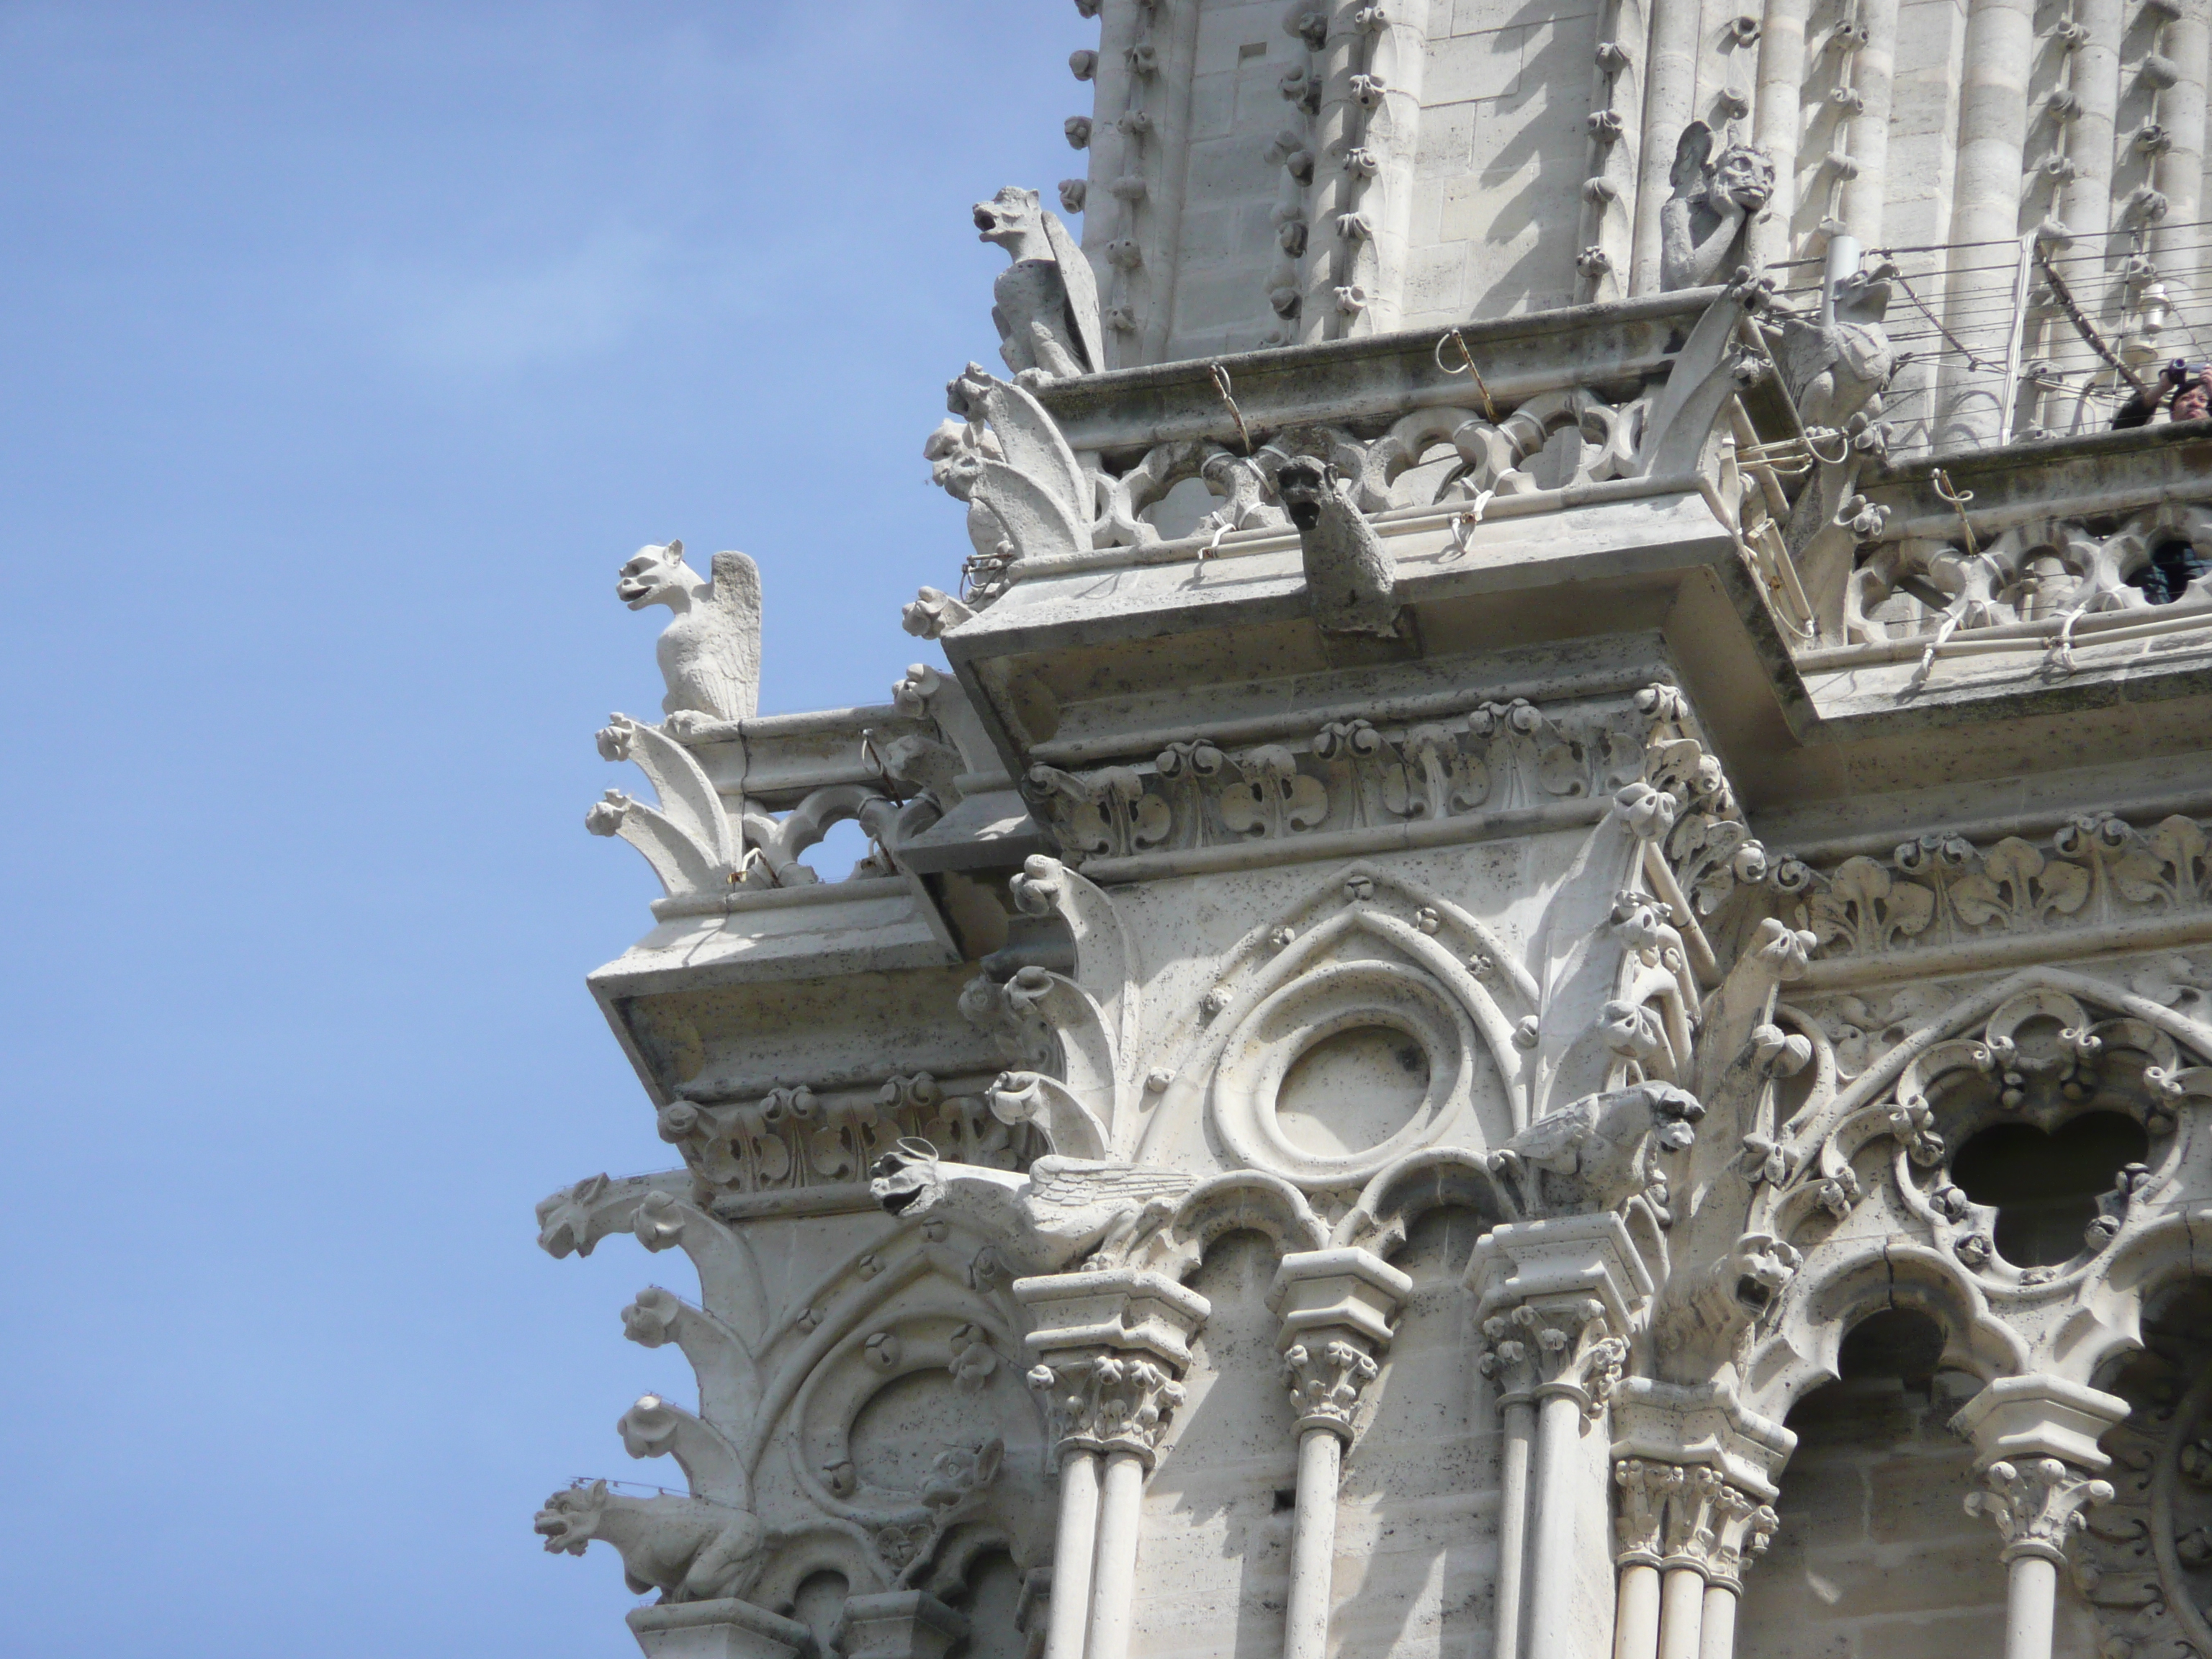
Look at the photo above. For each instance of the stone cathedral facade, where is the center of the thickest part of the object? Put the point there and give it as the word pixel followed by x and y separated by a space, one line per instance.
pixel 1540 986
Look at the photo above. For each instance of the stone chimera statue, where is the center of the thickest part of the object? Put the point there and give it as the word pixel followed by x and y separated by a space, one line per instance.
pixel 1047 306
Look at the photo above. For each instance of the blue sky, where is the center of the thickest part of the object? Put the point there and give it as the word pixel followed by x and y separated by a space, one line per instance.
pixel 344 353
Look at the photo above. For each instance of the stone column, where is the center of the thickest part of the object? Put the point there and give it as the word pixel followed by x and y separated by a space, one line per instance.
pixel 1568 1285
pixel 1110 1349
pixel 1741 1534
pixel 2035 1440
pixel 1510 1368
pixel 717 1630
pixel 1684 1533
pixel 1337 1308
pixel 1993 117
pixel 1694 1469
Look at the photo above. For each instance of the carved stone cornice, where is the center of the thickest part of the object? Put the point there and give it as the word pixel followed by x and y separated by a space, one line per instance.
pixel 2036 1504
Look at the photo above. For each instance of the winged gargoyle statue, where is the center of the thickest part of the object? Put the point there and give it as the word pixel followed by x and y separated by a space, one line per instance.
pixel 1064 1211
pixel 1047 306
pixel 710 653
pixel 1602 1143
pixel 1702 222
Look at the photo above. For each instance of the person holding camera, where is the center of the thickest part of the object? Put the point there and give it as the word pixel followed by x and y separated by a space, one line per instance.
pixel 2185 388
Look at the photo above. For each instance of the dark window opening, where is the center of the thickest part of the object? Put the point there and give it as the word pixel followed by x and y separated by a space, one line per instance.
pixel 2173 566
pixel 2045 1186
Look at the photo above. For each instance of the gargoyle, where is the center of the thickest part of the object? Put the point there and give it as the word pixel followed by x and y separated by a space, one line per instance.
pixel 1701 1318
pixel 1064 1211
pixel 1599 1142
pixel 687 1548
pixel 710 654
pixel 1833 368
pixel 1349 577
pixel 1047 306
pixel 1703 221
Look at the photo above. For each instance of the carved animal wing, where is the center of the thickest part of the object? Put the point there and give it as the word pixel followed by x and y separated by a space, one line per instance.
pixel 1074 1183
pixel 1554 1134
pixel 1692 153
pixel 734 657
pixel 1081 284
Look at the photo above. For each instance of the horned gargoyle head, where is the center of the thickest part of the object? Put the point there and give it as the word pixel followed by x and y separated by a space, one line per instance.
pixel 570 1518
pixel 909 1180
pixel 1742 175
pixel 1010 219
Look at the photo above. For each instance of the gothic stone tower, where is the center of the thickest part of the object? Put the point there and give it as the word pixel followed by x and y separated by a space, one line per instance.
pixel 1538 987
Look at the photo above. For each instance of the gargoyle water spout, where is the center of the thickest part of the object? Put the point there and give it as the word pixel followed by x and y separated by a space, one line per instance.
pixel 1064 1211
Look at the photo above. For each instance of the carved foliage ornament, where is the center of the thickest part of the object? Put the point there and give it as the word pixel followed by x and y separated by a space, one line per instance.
pixel 1943 890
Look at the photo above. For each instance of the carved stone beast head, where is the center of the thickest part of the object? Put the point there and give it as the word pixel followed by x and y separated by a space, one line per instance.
pixel 654 576
pixel 907 1180
pixel 569 1519
pixel 1703 1317
pixel 1009 218
pixel 1303 483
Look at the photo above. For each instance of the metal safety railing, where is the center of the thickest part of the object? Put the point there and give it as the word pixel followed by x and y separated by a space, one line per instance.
pixel 2004 342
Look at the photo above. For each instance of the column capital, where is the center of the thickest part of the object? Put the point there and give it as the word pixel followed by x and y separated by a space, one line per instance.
pixel 1700 1423
pixel 1559 1346
pixel 2036 1505
pixel 1353 1290
pixel 1110 1349
pixel 900 1625
pixel 1326 1379
pixel 1674 1515
pixel 1338 1308
pixel 2038 1416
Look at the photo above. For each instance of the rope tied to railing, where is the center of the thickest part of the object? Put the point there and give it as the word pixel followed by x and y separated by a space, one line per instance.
pixel 1940 482
pixel 1464 521
pixel 1221 385
pixel 1467 367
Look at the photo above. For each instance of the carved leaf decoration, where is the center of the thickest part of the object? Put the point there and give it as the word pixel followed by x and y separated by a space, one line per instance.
pixel 2177 845
pixel 1560 769
pixel 1864 905
pixel 1976 900
pixel 2065 887
pixel 1911 908
pixel 1151 823
pixel 1244 809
